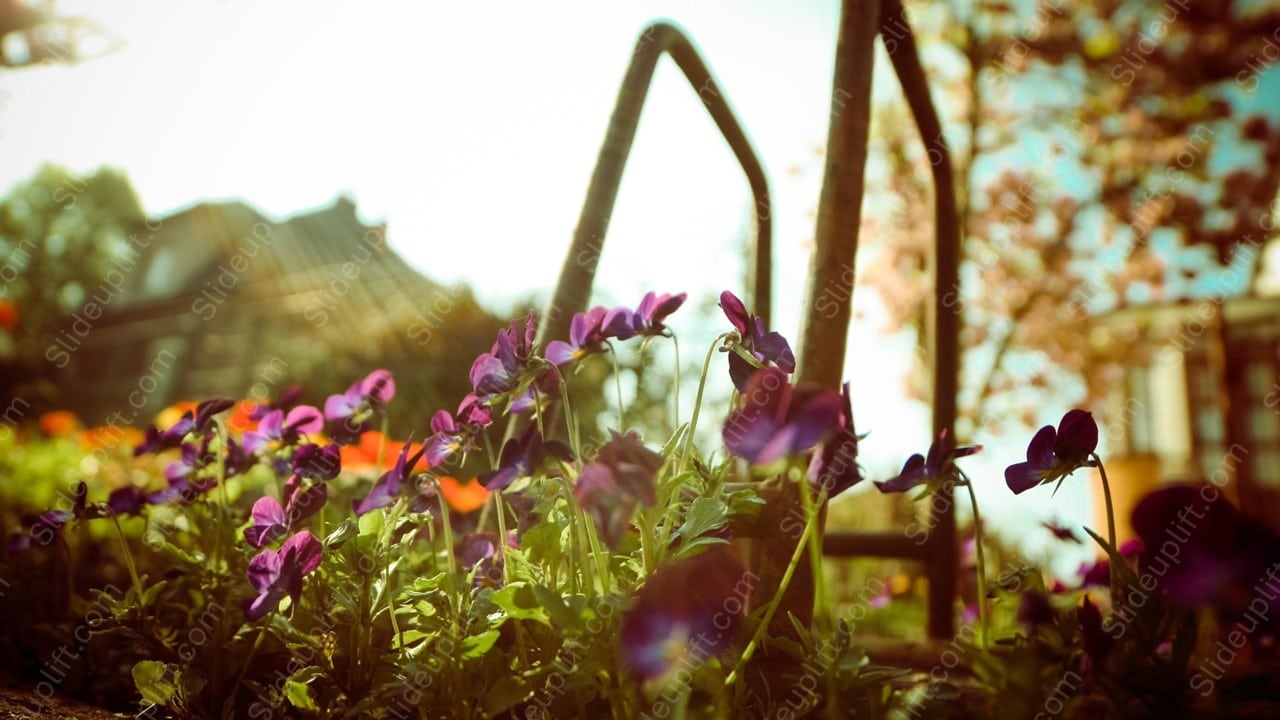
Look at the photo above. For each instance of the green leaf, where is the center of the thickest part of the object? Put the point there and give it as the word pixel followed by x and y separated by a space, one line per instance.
pixel 705 515
pixel 341 534
pixel 696 547
pixel 151 677
pixel 520 602
pixel 299 695
pixel 561 615
pixel 477 645
pixel 505 694
pixel 370 523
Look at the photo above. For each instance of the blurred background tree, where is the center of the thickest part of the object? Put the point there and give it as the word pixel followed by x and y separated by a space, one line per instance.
pixel 1108 154
pixel 59 235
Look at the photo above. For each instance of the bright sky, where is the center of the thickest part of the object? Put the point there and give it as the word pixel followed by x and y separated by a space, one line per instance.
pixel 473 131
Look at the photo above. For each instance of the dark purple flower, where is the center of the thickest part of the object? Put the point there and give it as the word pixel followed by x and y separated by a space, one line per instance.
pixel 44 526
pixel 920 470
pixel 1035 610
pixel 1060 532
pixel 648 318
pixel 279 430
pixel 456 433
pixel 351 414
pixel 685 613
pixel 622 477
pixel 317 462
pixel 271 521
pixel 479 552
pixel 290 398
pixel 498 371
pixel 1201 550
pixel 587 334
pixel 522 456
pixel 1055 454
pixel 757 343
pixel 834 466
pixel 126 501
pixel 1095 574
pixel 199 421
pixel 1095 640
pixel 776 420
pixel 275 574
pixel 389 486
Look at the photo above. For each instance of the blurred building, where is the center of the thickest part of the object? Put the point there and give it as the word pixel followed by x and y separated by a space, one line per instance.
pixel 219 300
pixel 1201 398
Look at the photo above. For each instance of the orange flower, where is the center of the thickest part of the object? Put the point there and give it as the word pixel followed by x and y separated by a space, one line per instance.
pixel 59 423
pixel 110 437
pixel 364 454
pixel 463 497
pixel 8 315
pixel 239 421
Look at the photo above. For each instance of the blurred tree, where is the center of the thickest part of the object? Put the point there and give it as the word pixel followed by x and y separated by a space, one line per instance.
pixel 34 33
pixel 1108 154
pixel 60 234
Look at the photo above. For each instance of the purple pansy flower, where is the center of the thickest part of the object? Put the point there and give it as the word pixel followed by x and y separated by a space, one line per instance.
pixel 1034 610
pixel 588 332
pixel 498 371
pixel 45 525
pixel 126 501
pixel 389 486
pixel 776 419
pixel 761 345
pixel 199 421
pixel 351 413
pixel 289 398
pixel 456 433
pixel 1203 551
pixel 521 456
pixel 276 429
pixel 1060 532
pixel 271 521
pixel 919 470
pixel 275 574
pixel 1094 638
pixel 1055 454
pixel 479 552
pixel 622 477
pixel 683 616
pixel 317 462
pixel 835 466
pixel 647 320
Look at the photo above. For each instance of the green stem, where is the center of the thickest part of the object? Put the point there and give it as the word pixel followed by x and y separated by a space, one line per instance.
pixel 262 629
pixel 617 387
pixel 128 558
pixel 676 343
pixel 812 508
pixel 1111 514
pixel 697 403
pixel 983 627
pixel 801 547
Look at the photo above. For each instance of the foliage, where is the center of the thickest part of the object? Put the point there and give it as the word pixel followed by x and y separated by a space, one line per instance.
pixel 616 581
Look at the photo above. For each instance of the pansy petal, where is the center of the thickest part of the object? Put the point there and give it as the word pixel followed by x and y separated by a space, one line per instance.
pixel 379 386
pixel 560 353
pixel 305 420
pixel 304 551
pixel 736 312
pixel 913 473
pixel 1040 451
pixel 1021 477
pixel 264 570
pixel 1077 436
